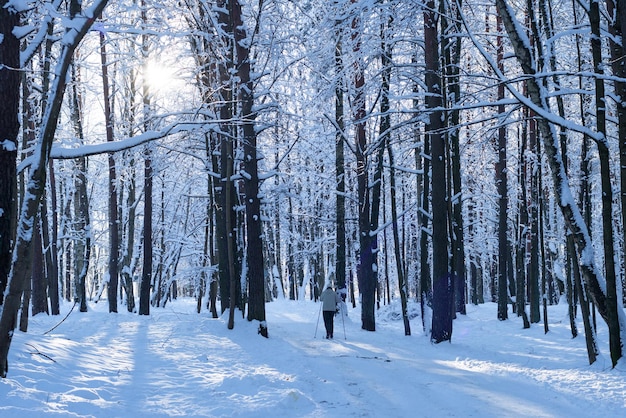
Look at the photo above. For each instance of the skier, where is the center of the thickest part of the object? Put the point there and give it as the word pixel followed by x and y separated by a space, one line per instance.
pixel 329 299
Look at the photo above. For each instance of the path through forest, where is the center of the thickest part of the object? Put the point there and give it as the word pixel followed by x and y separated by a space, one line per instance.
pixel 178 363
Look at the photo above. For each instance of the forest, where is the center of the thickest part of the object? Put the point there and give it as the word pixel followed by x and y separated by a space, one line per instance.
pixel 445 152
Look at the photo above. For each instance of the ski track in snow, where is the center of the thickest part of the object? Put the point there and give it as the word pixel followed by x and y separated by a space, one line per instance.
pixel 176 363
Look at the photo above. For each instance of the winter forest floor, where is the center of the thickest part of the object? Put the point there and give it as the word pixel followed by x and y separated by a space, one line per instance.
pixel 178 363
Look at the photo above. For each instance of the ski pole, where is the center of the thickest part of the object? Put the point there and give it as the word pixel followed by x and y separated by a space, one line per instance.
pixel 318 320
pixel 343 321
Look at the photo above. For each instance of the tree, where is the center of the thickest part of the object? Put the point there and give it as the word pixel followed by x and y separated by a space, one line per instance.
pixel 146 277
pixel 114 241
pixel 452 44
pixel 225 191
pixel 617 28
pixel 340 172
pixel 50 237
pixel 503 190
pixel 425 282
pixel 367 199
pixel 82 224
pixel 442 279
pixel 385 133
pixel 255 267
pixel 586 209
pixel 612 306
pixel 9 128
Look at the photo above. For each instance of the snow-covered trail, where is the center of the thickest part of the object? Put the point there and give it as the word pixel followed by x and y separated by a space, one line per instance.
pixel 178 363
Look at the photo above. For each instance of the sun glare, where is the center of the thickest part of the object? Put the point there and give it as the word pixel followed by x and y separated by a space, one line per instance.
pixel 159 77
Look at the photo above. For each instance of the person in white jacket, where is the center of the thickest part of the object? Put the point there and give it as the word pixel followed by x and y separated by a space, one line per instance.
pixel 329 299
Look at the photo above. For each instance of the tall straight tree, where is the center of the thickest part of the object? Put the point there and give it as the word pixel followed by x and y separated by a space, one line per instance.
pixel 442 279
pixel 29 122
pixel 49 236
pixel 9 128
pixel 256 277
pixel 502 185
pixel 607 189
pixel 82 244
pixel 532 276
pixel 586 209
pixel 520 260
pixel 225 191
pixel 128 259
pixel 385 133
pixel 146 277
pixel 617 27
pixel 425 283
pixel 340 172
pixel 129 256
pixel 533 162
pixel 113 226
pixel 366 274
pixel 452 44
pixel 82 227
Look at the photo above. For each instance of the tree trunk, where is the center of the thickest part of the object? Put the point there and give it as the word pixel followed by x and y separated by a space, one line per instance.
pixel 226 219
pixel 67 246
pixel 617 27
pixel 82 233
pixel 9 128
pixel 503 188
pixel 366 275
pixel 209 240
pixel 254 253
pixel 113 226
pixel 49 244
pixel 39 285
pixel 442 285
pixel 452 55
pixel 340 174
pixel 425 284
pixel 533 266
pixel 402 282
pixel 146 278
pixel 607 190
pixel 586 209
pixel 520 276
pixel 128 259
pixel 82 246
pixel 385 128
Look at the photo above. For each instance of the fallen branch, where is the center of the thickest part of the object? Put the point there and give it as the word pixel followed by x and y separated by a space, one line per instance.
pixel 40 353
pixel 63 320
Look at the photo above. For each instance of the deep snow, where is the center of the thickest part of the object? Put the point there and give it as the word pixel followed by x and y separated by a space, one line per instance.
pixel 178 363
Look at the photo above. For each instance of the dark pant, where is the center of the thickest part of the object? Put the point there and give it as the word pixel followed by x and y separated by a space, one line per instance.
pixel 328 323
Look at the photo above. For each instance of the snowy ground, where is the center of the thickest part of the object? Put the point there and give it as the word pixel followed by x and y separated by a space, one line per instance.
pixel 178 363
